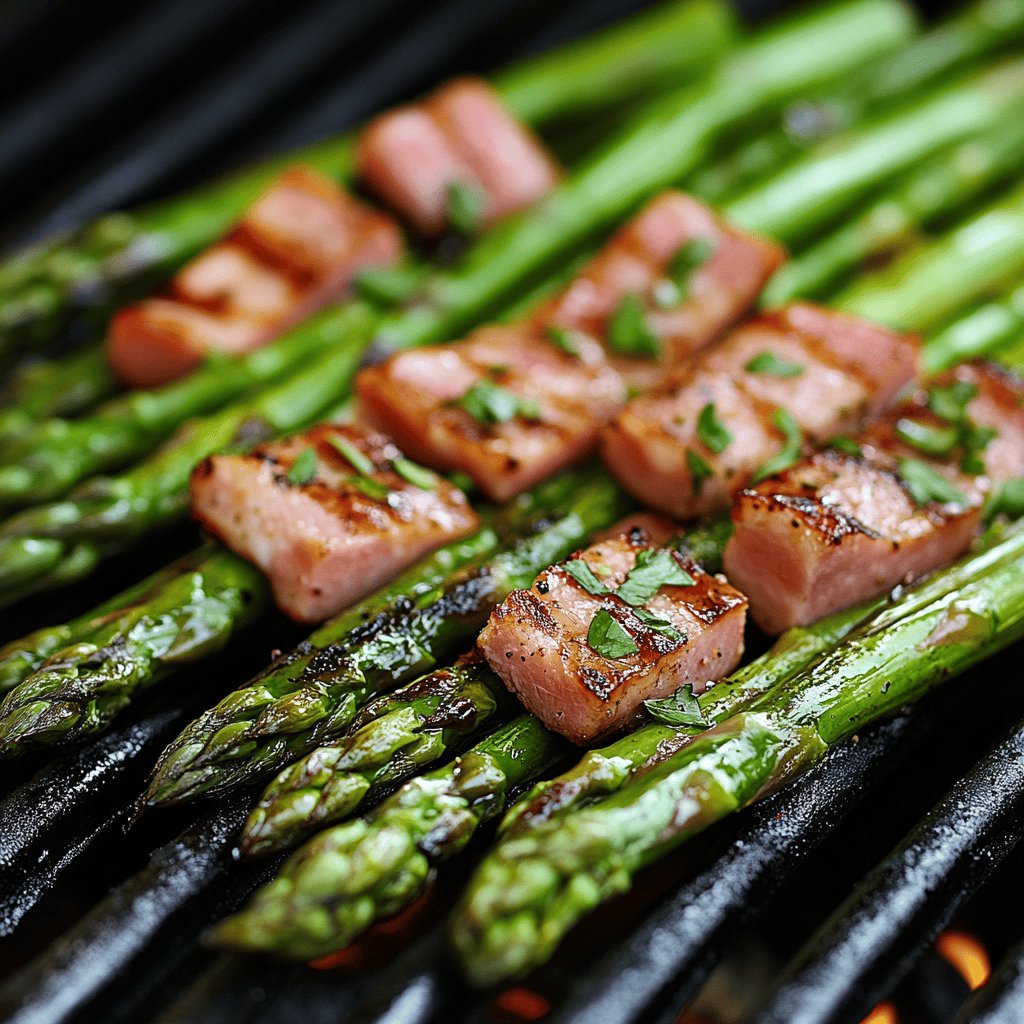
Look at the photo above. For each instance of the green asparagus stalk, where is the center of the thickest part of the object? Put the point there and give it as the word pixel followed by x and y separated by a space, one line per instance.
pixel 120 256
pixel 21 657
pixel 935 190
pixel 359 872
pixel 830 179
pixel 52 387
pixel 79 690
pixel 981 254
pixel 983 331
pixel 314 694
pixel 979 30
pixel 537 884
pixel 391 739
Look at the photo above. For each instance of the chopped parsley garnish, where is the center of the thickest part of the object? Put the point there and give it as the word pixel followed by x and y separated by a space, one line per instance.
pixel 771 365
pixel 950 403
pixel 413 473
pixel 388 286
pixel 846 445
pixel 1007 500
pixel 674 287
pixel 700 470
pixel 564 339
pixel 681 710
pixel 975 439
pixel 369 487
pixel 487 402
pixel 926 484
pixel 609 638
pixel 581 572
pixel 628 332
pixel 359 461
pixel 792 446
pixel 711 431
pixel 652 571
pixel 937 441
pixel 303 470
pixel 658 625
pixel 465 209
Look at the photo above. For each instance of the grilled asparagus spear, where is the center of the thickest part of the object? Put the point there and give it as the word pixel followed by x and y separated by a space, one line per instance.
pixel 538 883
pixel 358 872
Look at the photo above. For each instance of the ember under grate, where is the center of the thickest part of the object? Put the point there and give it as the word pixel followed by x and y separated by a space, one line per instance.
pixel 100 924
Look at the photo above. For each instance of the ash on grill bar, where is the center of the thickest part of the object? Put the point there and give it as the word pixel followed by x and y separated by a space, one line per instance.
pixel 512 512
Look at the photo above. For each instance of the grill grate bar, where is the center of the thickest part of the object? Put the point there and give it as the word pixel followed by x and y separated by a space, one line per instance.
pixel 873 939
pixel 1001 1001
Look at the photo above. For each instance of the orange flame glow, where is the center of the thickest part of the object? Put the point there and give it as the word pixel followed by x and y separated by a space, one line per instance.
pixel 522 1004
pixel 966 955
pixel 883 1013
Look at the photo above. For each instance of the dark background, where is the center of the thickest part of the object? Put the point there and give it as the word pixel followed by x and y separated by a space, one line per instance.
pixel 106 104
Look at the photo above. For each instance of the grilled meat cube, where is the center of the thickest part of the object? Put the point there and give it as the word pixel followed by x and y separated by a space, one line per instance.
pixel 829 372
pixel 694 273
pixel 838 528
pixel 325 529
pixel 299 246
pixel 461 136
pixel 504 405
pixel 546 643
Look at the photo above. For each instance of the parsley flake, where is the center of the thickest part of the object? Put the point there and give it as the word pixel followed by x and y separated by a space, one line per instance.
pixel 681 710
pixel 771 365
pixel 711 431
pixel 303 470
pixel 937 441
pixel 659 625
pixel 628 332
pixel 581 572
pixel 413 473
pixel 950 403
pixel 488 402
pixel 792 446
pixel 845 444
pixel 926 484
pixel 564 339
pixel 1007 500
pixel 652 571
pixel 465 208
pixel 609 638
pixel 700 470
pixel 360 462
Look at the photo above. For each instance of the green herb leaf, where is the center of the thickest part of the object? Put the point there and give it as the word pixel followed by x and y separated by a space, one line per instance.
pixel 487 402
pixel 711 431
pixel 975 439
pixel 628 332
pixel 466 202
pixel 581 572
pixel 609 638
pixel 792 446
pixel 926 484
pixel 652 571
pixel 369 487
pixel 690 256
pixel 303 469
pixel 771 365
pixel 846 445
pixel 359 462
pixel 413 473
pixel 681 710
pixel 1007 500
pixel 700 470
pixel 563 338
pixel 950 403
pixel 388 286
pixel 658 625
pixel 937 441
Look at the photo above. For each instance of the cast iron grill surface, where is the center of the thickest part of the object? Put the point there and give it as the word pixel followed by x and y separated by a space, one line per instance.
pixel 102 915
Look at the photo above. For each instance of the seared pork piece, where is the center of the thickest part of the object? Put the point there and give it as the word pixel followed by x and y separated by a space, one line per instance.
pixel 457 159
pixel 329 515
pixel 841 527
pixel 622 622
pixel 504 405
pixel 691 274
pixel 784 380
pixel 299 247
